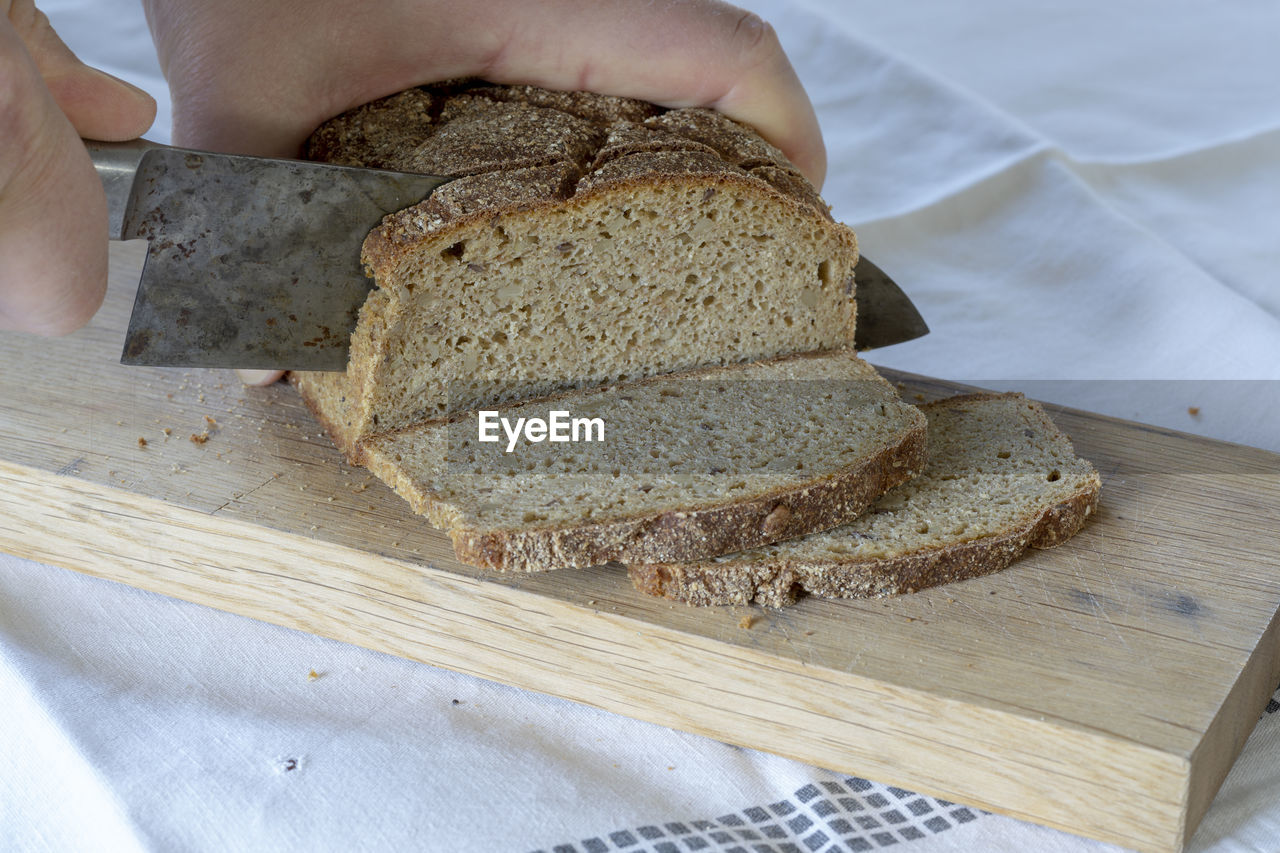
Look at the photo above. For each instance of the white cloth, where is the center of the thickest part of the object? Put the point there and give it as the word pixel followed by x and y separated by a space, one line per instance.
pixel 1081 198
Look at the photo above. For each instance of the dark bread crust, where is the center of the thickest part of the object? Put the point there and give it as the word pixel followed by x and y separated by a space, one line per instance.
pixel 777 582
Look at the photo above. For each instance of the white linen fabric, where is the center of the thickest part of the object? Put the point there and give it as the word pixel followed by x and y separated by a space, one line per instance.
pixel 1082 199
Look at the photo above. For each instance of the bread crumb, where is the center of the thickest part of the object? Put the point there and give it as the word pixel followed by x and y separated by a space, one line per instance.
pixel 167 431
pixel 746 621
pixel 312 675
pixel 920 397
pixel 210 421
pixel 1193 410
pixel 199 438
pixel 142 442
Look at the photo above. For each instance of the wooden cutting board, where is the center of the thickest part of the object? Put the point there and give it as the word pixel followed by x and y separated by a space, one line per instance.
pixel 1104 688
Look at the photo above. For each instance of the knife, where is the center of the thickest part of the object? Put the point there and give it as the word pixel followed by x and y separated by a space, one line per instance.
pixel 254 262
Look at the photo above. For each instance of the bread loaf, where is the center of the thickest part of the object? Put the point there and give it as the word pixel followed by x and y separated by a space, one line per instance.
pixel 689 465
pixel 584 240
pixel 1000 478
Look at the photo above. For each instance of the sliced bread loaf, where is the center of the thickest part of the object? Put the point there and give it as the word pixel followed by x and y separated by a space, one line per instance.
pixel 1000 478
pixel 584 240
pixel 685 466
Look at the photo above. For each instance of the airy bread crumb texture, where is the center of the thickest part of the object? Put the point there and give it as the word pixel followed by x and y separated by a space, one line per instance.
pixel 691 465
pixel 584 240
pixel 1000 478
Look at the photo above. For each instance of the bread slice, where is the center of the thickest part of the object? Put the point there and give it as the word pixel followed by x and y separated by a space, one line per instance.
pixel 691 465
pixel 584 240
pixel 1000 478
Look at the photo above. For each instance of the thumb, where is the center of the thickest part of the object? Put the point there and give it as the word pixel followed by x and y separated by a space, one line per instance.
pixel 98 105
pixel 53 214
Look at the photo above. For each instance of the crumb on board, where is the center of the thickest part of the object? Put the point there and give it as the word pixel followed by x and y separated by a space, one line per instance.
pixel 746 621
pixel 167 431
pixel 199 437
pixel 312 675
pixel 142 442
pixel 1193 410
pixel 210 421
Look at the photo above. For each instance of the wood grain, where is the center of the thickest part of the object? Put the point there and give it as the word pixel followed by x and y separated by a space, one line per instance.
pixel 1103 688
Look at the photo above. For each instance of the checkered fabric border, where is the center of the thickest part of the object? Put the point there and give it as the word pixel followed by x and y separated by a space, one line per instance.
pixel 848 816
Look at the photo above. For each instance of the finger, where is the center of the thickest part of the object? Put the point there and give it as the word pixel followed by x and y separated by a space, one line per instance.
pixel 259 377
pixel 98 105
pixel 53 214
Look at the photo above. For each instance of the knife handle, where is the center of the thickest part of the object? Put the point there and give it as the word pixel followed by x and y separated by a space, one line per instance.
pixel 117 164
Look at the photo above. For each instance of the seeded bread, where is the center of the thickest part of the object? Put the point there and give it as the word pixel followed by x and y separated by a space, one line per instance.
pixel 1000 478
pixel 584 240
pixel 691 465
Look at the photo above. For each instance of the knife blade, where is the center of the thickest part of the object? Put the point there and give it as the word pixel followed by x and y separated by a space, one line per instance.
pixel 253 262
pixel 886 315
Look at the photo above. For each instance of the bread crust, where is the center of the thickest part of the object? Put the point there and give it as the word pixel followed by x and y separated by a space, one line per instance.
pixel 776 582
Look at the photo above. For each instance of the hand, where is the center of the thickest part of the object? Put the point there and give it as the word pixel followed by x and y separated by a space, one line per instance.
pixel 257 76
pixel 53 214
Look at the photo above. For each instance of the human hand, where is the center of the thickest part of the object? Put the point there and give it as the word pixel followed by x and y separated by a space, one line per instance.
pixel 257 76
pixel 53 214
